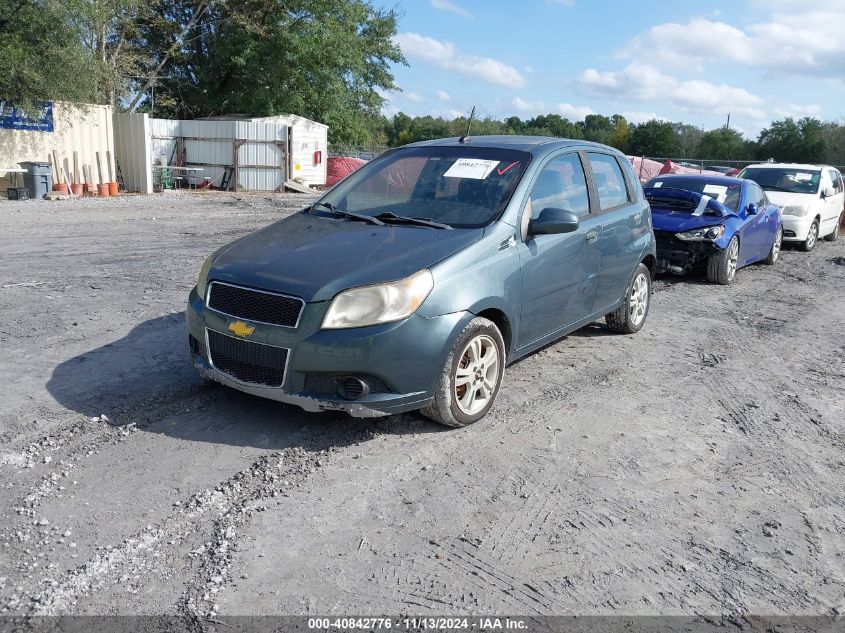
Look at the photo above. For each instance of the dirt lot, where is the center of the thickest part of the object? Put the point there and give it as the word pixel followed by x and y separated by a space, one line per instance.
pixel 696 467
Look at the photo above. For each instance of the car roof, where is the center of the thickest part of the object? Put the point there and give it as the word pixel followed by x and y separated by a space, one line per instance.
pixel 788 166
pixel 533 144
pixel 715 180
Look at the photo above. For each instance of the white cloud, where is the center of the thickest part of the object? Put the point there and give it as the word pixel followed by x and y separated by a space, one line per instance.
pixel 456 114
pixel 443 95
pixel 641 117
pixel 529 107
pixel 414 96
pixel 566 3
pixel 796 38
pixel 446 5
pixel 797 111
pixel 644 83
pixel 575 113
pixel 445 55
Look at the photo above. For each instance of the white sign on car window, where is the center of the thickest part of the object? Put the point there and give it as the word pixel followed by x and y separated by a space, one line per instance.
pixel 803 177
pixel 474 168
pixel 720 191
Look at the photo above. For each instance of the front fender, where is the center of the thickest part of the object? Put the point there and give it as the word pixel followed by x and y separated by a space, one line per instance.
pixel 483 276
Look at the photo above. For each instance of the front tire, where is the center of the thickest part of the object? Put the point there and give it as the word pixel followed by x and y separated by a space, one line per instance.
pixel 472 376
pixel 835 235
pixel 812 238
pixel 774 253
pixel 630 316
pixel 721 266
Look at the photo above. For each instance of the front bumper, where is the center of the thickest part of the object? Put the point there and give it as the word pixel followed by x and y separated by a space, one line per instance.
pixel 679 257
pixel 405 358
pixel 795 228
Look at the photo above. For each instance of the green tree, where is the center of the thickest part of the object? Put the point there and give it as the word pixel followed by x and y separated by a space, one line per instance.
pixel 620 138
pixel 723 143
pixel 42 55
pixel 654 138
pixel 598 128
pixel 323 59
pixel 801 141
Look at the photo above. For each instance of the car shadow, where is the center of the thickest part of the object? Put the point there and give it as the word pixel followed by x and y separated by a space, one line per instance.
pixel 145 378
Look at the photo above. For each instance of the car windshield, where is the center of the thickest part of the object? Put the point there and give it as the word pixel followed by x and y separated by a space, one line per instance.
pixel 462 187
pixel 784 179
pixel 727 194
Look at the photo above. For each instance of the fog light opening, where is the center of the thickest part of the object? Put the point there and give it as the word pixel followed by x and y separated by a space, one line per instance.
pixel 351 388
pixel 193 344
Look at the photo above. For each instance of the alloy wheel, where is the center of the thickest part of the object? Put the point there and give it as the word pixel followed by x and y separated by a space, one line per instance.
pixel 733 258
pixel 812 235
pixel 477 374
pixel 776 246
pixel 638 302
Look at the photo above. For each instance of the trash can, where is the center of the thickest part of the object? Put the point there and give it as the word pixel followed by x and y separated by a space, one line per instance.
pixel 38 179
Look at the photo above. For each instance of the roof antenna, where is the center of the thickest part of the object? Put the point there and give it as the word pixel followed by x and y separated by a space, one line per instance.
pixel 465 137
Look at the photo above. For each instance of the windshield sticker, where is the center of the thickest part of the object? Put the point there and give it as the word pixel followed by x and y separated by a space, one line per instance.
pixel 474 168
pixel 803 176
pixel 658 185
pixel 702 205
pixel 720 191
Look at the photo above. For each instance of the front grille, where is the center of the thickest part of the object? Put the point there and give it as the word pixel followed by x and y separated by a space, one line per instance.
pixel 247 361
pixel 254 305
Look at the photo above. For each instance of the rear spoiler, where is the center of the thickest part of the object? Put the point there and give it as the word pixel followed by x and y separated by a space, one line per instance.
pixel 703 203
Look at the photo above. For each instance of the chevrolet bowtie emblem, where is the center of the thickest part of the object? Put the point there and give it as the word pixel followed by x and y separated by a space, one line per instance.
pixel 239 328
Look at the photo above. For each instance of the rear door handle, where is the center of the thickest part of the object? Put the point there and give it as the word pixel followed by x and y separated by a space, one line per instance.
pixel 592 236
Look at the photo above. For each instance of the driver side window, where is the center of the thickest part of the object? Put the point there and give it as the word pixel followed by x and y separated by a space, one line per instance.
pixel 562 185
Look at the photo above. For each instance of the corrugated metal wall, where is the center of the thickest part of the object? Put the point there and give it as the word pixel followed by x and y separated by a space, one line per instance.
pixel 306 138
pixel 212 145
pixel 81 128
pixel 132 149
pixel 262 156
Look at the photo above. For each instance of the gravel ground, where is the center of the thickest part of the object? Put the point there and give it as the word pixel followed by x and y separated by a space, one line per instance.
pixel 696 467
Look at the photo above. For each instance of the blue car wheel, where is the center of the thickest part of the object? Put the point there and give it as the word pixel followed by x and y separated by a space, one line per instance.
pixel 721 266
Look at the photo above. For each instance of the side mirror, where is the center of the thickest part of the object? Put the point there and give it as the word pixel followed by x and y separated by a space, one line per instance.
pixel 752 208
pixel 828 192
pixel 552 220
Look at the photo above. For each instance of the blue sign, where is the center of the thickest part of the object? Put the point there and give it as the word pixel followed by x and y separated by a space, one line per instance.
pixel 12 118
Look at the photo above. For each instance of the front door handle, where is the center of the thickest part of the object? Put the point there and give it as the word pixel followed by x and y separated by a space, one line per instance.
pixel 592 236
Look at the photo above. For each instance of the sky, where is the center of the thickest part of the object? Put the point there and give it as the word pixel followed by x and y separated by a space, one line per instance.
pixel 758 60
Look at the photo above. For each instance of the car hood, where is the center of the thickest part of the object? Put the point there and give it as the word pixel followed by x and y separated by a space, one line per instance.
pixel 705 212
pixel 315 257
pixel 789 199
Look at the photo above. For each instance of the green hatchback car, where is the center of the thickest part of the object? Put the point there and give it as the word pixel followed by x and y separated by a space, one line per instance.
pixel 412 283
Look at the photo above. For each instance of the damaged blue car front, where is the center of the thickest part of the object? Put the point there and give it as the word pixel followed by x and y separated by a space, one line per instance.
pixel 715 222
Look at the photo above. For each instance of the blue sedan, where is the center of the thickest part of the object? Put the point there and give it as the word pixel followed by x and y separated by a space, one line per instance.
pixel 719 222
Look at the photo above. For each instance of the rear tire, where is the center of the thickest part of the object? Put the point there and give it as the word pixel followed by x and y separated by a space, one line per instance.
pixel 835 235
pixel 721 266
pixel 471 377
pixel 812 238
pixel 774 253
pixel 631 315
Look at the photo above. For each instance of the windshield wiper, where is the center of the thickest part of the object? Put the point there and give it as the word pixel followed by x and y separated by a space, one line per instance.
pixel 392 218
pixel 347 214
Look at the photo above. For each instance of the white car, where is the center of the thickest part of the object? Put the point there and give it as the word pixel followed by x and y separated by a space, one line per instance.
pixel 811 198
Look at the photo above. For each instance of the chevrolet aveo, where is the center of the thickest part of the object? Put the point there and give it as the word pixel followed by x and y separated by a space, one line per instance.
pixel 414 281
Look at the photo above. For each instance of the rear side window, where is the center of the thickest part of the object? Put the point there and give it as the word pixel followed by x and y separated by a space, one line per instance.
pixel 836 179
pixel 609 181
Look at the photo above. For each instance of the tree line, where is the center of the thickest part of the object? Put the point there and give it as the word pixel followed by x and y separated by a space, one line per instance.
pixel 807 139
pixel 328 60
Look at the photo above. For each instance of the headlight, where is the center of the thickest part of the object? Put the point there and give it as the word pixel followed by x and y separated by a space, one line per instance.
pixel 705 234
pixel 798 210
pixel 206 266
pixel 382 303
